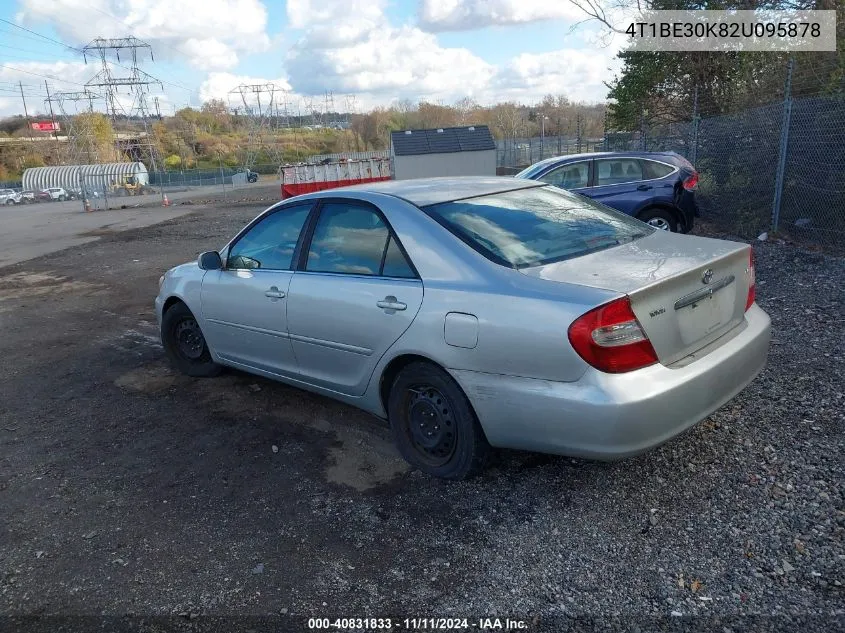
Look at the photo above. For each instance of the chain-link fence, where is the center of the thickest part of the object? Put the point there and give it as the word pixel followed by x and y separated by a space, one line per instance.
pixel 774 168
pixel 515 153
pixel 106 189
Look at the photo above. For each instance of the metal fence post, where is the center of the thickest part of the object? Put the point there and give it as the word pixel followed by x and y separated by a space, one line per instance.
pixel 106 187
pixel 643 145
pixel 784 144
pixel 693 153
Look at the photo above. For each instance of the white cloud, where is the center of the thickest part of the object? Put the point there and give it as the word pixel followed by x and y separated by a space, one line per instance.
pixel 389 62
pixel 460 15
pixel 348 46
pixel 305 13
pixel 577 73
pixel 210 34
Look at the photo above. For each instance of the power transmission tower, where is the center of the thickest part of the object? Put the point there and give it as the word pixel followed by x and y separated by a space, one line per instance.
pixel 135 82
pixel 308 106
pixel 351 108
pixel 81 141
pixel 328 109
pixel 260 104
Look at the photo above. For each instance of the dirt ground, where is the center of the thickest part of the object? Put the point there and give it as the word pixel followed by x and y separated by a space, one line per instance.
pixel 127 491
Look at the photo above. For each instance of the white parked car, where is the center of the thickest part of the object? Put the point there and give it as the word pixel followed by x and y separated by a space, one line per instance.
pixel 54 193
pixel 8 196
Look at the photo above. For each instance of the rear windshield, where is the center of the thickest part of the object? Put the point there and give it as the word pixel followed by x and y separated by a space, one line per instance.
pixel 526 173
pixel 541 225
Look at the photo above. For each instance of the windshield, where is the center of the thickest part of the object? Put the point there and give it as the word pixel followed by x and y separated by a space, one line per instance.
pixel 541 225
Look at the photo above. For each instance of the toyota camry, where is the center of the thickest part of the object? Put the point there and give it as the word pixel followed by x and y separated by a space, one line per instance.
pixel 478 312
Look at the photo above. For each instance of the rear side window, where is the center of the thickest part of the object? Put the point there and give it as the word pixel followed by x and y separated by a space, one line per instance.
pixel 536 226
pixel 652 169
pixel 568 176
pixel 354 239
pixel 613 171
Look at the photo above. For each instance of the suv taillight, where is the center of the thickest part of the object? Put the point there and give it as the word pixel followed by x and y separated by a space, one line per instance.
pixel 752 280
pixel 611 339
pixel 691 182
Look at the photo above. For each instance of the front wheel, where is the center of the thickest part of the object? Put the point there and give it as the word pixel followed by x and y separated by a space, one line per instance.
pixel 434 425
pixel 185 344
pixel 660 219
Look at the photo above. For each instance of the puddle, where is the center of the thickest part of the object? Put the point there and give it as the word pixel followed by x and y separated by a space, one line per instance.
pixel 25 285
pixel 148 379
pixel 361 457
pixel 363 461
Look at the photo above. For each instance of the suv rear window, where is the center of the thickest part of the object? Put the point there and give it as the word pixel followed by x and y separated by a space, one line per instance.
pixel 541 225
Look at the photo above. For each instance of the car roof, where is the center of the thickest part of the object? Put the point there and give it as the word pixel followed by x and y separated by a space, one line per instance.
pixel 588 155
pixel 426 191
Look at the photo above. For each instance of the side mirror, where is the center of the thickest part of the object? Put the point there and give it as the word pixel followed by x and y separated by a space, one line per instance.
pixel 210 260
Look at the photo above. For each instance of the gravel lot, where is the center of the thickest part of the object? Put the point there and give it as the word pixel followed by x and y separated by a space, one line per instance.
pixel 127 490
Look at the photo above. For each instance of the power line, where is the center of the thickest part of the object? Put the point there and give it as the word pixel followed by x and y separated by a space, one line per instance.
pixel 26 50
pixel 53 77
pixel 49 39
pixel 80 51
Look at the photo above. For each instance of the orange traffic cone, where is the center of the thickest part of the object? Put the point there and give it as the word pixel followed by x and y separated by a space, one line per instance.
pixel 165 202
pixel 87 206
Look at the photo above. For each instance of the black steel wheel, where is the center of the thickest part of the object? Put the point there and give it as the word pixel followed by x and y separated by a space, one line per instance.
pixel 434 425
pixel 429 420
pixel 185 344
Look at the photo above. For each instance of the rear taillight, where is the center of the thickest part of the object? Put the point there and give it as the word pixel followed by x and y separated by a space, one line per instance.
pixel 691 182
pixel 752 280
pixel 611 339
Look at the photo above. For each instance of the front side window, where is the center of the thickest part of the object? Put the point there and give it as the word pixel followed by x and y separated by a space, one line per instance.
pixel 570 176
pixel 614 171
pixel 271 243
pixel 353 239
pixel 530 227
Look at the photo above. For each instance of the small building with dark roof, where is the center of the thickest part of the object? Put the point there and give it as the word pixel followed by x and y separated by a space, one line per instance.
pixel 448 151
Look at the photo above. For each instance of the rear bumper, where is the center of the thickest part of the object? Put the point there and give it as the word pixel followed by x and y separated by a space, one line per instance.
pixel 612 416
pixel 689 208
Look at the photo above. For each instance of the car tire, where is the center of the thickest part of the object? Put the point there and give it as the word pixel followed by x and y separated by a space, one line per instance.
pixel 62 198
pixel 433 423
pixel 660 219
pixel 185 344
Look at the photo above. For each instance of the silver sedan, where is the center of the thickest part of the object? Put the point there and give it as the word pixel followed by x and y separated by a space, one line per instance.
pixel 477 312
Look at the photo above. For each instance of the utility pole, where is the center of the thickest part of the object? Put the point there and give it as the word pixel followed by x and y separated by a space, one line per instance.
pixel 25 113
pixel 53 119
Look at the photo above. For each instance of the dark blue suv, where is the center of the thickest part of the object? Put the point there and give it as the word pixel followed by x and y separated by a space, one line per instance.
pixel 655 187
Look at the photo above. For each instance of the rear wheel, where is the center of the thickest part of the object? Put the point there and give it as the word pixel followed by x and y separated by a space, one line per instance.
pixel 434 425
pixel 62 198
pixel 185 344
pixel 659 219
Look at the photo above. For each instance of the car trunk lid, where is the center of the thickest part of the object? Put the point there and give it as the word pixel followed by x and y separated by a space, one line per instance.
pixel 685 291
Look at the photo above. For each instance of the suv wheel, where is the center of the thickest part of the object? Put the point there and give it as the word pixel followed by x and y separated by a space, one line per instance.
pixel 659 219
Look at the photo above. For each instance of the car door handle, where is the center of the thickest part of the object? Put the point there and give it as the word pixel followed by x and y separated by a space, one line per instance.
pixel 643 187
pixel 274 293
pixel 391 303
